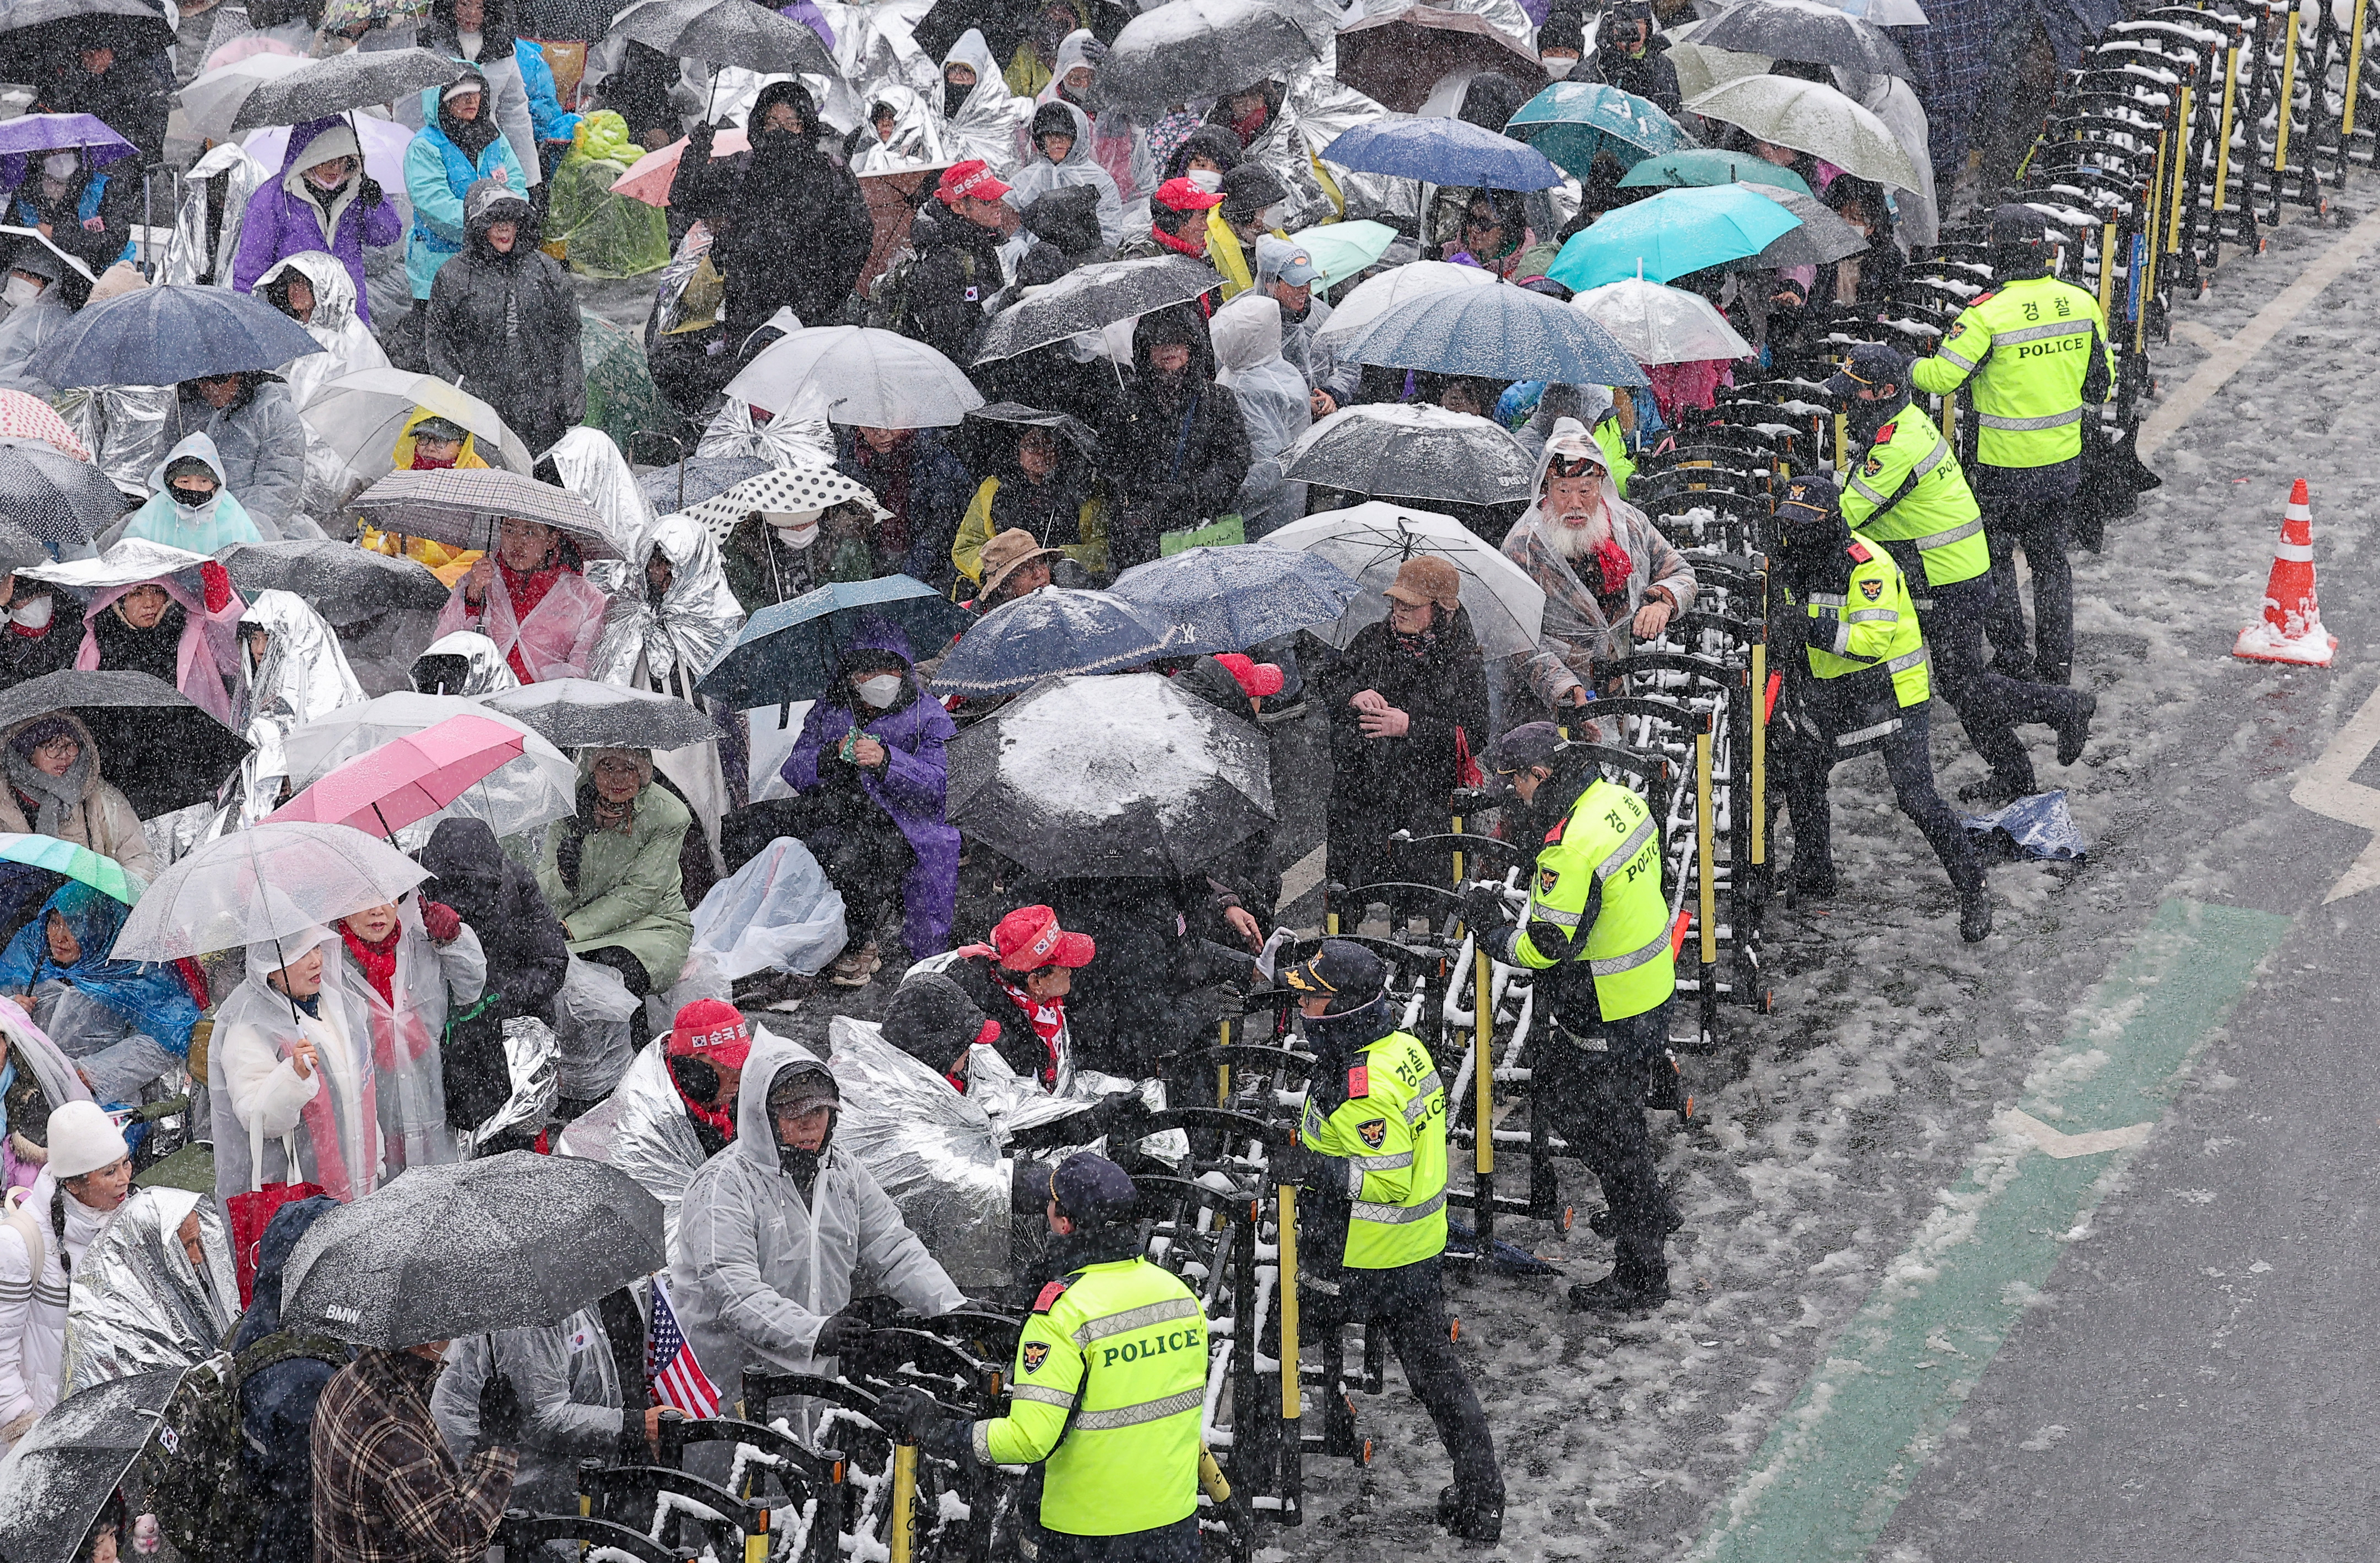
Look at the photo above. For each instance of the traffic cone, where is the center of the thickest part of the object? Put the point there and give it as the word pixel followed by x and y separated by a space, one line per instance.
pixel 2292 629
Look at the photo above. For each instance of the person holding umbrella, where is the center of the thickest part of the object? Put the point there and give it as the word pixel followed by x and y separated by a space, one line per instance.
pixel 322 200
pixel 1287 272
pixel 123 1022
pixel 260 445
pixel 290 1077
pixel 532 597
pixel 190 502
pixel 1625 56
pixel 55 789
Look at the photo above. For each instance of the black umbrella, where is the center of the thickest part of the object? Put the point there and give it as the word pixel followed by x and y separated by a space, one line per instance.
pixel 340 581
pixel 30 29
pixel 160 748
pixel 1188 49
pixel 725 32
pixel 1822 237
pixel 19 548
pixel 54 496
pixel 509 1242
pixel 1806 30
pixel 1112 776
pixel 352 81
pixel 574 713
pixel 1412 452
pixel 1093 297
pixel 682 483
pixel 61 1474
pixel 987 439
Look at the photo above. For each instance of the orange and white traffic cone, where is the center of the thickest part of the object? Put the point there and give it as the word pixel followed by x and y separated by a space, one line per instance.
pixel 2292 629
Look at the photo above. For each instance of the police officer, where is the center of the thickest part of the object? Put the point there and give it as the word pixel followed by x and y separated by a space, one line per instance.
pixel 1597 926
pixel 1861 685
pixel 1374 1138
pixel 2038 352
pixel 1909 495
pixel 1107 1390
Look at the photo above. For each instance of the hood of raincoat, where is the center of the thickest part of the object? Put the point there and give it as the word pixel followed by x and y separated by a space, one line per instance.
pixel 771 1059
pixel 1613 504
pixel 484 668
pixel 588 464
pixel 304 676
pixel 138 1304
pixel 917 142
pixel 438 32
pixel 989 117
pixel 161 520
pixel 1053 117
pixel 1247 333
pixel 489 201
pixel 319 140
pixel 201 447
pixel 335 291
pixel 875 634
pixel 684 631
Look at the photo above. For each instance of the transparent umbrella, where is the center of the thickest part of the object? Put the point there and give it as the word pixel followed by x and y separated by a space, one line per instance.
pixel 1811 117
pixel 360 414
pixel 518 796
pixel 1413 450
pixel 1369 541
pixel 1370 300
pixel 215 898
pixel 866 376
pixel 1662 325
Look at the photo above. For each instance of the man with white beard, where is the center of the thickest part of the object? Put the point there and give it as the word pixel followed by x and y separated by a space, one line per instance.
pixel 1611 577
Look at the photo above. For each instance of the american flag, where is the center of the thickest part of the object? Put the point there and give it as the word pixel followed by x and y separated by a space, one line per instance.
pixel 670 1365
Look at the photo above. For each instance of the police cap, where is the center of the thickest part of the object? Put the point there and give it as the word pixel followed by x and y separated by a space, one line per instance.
pixel 1093 1191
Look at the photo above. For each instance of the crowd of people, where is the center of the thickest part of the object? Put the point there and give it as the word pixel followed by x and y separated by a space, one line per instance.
pixel 963 158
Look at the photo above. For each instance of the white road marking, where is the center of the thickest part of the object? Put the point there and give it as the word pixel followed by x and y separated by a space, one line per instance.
pixel 1302 876
pixel 2329 788
pixel 2061 1146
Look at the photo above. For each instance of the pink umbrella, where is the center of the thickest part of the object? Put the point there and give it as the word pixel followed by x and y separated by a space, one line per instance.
pixel 244 47
pixel 648 179
pixel 24 416
pixel 407 779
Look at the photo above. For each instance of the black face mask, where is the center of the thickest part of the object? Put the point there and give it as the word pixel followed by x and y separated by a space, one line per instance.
pixel 192 497
pixel 954 98
pixel 1866 417
pixel 1340 1033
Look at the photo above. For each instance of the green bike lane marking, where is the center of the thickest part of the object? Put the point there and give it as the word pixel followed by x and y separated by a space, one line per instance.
pixel 1843 1456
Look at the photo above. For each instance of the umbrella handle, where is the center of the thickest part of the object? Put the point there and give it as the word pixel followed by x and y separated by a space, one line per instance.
pixel 384 826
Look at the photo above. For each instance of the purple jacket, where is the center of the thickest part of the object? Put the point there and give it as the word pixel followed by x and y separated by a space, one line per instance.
pixel 279 224
pixel 910 788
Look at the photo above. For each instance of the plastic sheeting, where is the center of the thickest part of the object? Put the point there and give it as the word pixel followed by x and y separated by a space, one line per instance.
pixel 2040 826
pixel 137 1303
pixel 533 1061
pixel 642 1130
pixel 122 426
pixel 778 910
pixel 603 235
pixel 591 1023
pixel 186 250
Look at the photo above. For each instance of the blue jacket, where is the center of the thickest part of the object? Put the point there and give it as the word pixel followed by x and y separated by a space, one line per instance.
pixel 437 177
pixel 544 97
pixel 276 1405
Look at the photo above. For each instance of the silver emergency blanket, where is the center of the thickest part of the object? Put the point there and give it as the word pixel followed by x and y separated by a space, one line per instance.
pixel 485 670
pixel 1505 16
pixel 876 49
pixel 990 116
pixel 917 142
pixel 304 675
pixel 137 1303
pixel 799 436
pixel 186 249
pixel 1316 108
pixel 533 1061
pixel 666 645
pixel 348 347
pixel 592 466
pixel 641 1128
pixel 122 426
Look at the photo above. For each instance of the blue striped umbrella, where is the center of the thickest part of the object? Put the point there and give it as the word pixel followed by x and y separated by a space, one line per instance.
pixel 1048 634
pixel 1500 333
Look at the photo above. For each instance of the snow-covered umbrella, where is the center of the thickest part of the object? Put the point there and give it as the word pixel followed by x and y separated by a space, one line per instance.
pixel 1374 296
pixel 1700 69
pixel 66 1467
pixel 1808 30
pixel 1051 633
pixel 462 506
pixel 1443 152
pixel 167 332
pixel 1092 299
pixel 215 897
pixel 1811 117
pixel 1498 333
pixel 337 579
pixel 1228 599
pixel 1411 450
pixel 1662 325
pixel 1692 166
pixel 1571 122
pixel 726 32
pixel 353 81
pixel 1188 49
pixel 787 651
pixel 52 496
pixel 214 98
pixel 1121 776
pixel 572 713
pixel 1370 541
pixel 162 748
pixel 864 376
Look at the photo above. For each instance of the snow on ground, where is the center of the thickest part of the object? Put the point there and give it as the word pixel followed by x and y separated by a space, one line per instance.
pixel 1832 1125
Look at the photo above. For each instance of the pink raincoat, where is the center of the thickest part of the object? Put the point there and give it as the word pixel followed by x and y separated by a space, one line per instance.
pixel 556 640
pixel 210 648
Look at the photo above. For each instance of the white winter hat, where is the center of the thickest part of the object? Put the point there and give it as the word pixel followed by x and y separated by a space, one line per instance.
pixel 84 1139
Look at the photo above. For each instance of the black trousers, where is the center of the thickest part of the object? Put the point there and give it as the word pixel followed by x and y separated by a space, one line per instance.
pixel 1808 764
pixel 862 852
pixel 2031 508
pixel 1177 1543
pixel 1988 701
pixel 1409 1304
pixel 1596 1099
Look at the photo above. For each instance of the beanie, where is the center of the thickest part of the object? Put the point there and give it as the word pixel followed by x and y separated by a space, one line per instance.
pixel 84 1139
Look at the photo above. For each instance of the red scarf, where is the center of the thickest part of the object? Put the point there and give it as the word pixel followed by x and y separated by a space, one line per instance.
pixel 718 1118
pixel 379 960
pixel 424 464
pixel 528 587
pixel 1248 130
pixel 1613 559
pixel 1185 247
pixel 1048 1018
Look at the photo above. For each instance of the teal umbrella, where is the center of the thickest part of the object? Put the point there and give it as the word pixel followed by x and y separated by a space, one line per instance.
pixel 1342 250
pixel 102 874
pixel 1708 166
pixel 1572 121
pixel 1671 235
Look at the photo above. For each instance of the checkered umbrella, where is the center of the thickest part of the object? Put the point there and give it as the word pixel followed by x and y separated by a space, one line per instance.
pixel 462 506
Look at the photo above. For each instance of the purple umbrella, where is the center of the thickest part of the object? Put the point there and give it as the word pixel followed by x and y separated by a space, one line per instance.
pixel 30 133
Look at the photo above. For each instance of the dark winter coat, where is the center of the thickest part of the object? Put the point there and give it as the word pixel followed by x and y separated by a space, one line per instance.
pixel 1382 785
pixel 793 228
pixel 926 488
pixel 1210 140
pixel 276 1403
pixel 30 656
pixel 957 270
pixel 261 441
pixel 506 327
pixel 528 957
pixel 1176 454
pixel 131 98
pixel 1650 76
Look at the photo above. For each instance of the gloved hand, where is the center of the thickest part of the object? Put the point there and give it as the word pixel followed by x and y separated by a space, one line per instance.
pixel 216 582
pixel 906 1411
pixel 699 138
pixel 502 1418
pixel 1483 908
pixel 367 192
pixel 840 1334
pixel 443 923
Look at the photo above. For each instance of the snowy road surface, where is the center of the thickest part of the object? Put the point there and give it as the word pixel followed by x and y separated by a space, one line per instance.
pixel 1905 1329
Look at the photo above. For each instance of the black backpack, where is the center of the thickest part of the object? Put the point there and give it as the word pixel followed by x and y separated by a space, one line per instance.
pixel 192 1469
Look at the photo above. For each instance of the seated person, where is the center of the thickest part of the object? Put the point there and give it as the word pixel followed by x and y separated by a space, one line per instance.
pixel 429 444
pixel 191 505
pixel 534 599
pixel 123 1022
pixel 55 789
pixel 158 628
pixel 1021 978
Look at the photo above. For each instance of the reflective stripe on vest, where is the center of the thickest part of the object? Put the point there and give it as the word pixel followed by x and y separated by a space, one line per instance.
pixel 1133 1416
pixel 1136 1319
pixel 1061 1397
pixel 1630 961
pixel 1393 1215
pixel 1906 660
pixel 1618 857
pixel 2037 332
pixel 1418 1109
pixel 2054 420
pixel 1944 539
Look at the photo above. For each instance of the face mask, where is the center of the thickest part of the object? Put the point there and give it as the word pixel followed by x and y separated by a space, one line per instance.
pixel 1558 66
pixel 60 165
pixel 796 537
pixel 193 509
pixel 881 690
pixel 32 613
pixel 1207 179
pixel 19 292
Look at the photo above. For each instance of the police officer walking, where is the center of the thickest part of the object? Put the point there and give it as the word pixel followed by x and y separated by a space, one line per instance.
pixel 1909 495
pixel 1597 927
pixel 1107 1390
pixel 1374 1138
pixel 2037 350
pixel 1861 685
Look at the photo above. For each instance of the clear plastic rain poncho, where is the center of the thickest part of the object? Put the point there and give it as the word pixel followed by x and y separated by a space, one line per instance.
pixel 137 1303
pixel 270 1125
pixel 348 347
pixel 302 675
pixel 1246 333
pixel 410 1090
pixel 604 234
pixel 989 116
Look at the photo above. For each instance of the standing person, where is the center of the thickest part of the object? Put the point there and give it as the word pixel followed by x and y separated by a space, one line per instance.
pixel 277 1397
pixel 1405 700
pixel 323 200
pixel 459 148
pixel 480 33
pixel 126 92
pixel 289 1077
pixel 1062 155
pixel 612 873
pixel 1625 56
pixel 190 505
pixel 958 270
pixel 385 1488
pixel 2029 403
pixel 55 788
pixel 1861 683
pixel 1597 924
pixel 1286 271
pixel 88 212
pixel 1611 577
pixel 532 597
pixel 792 230
pixel 503 320
pixel 1108 1386
pixel 260 445
pixel 1274 406
pixel 1910 497
pixel 44 1231
pixel 411 963
pixel 913 476
pixel 778 1233
pixel 1372 1151
pixel 1045 488
pixel 1120 146
pixel 1178 449
pixel 44 628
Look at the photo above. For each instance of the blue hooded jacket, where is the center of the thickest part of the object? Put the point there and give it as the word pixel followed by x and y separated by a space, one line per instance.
pixel 276 1404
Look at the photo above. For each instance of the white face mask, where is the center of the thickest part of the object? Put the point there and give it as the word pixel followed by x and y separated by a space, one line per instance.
pixel 32 613
pixel 60 165
pixel 20 292
pixel 1207 179
pixel 1558 66
pixel 797 537
pixel 881 690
